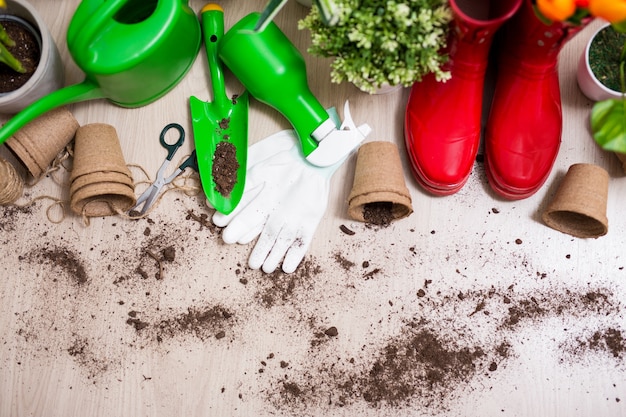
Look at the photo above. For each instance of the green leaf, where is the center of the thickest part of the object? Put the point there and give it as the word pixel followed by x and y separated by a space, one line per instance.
pixel 5 38
pixel 7 57
pixel 608 124
pixel 620 26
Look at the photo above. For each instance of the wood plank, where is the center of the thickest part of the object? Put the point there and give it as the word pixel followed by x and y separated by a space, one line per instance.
pixel 469 307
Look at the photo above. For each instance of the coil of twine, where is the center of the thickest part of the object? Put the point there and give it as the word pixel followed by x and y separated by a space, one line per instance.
pixel 11 184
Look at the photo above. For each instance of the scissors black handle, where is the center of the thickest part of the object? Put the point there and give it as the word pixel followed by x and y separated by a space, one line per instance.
pixel 191 162
pixel 172 147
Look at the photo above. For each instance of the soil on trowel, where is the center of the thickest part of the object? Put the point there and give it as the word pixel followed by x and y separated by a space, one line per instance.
pixel 26 50
pixel 225 166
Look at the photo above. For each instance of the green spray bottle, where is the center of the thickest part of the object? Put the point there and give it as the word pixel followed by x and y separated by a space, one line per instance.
pixel 274 72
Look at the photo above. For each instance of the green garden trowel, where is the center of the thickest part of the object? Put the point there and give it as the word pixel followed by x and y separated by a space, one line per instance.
pixel 220 127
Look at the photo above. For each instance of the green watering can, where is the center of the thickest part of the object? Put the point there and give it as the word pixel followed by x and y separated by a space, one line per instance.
pixel 131 51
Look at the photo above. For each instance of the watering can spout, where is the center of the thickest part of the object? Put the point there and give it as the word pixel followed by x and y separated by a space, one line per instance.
pixel 67 95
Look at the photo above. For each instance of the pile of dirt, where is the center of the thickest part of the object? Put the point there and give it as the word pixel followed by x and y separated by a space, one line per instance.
pixel 149 287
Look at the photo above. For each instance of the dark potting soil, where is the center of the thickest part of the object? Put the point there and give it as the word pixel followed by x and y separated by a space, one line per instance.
pixel 378 213
pixel 26 50
pixel 225 167
pixel 604 57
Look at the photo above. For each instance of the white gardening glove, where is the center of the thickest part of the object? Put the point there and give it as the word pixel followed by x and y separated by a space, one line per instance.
pixel 284 200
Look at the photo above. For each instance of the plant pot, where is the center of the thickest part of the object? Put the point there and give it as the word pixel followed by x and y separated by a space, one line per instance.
pixel 383 89
pixel 589 83
pixel 49 75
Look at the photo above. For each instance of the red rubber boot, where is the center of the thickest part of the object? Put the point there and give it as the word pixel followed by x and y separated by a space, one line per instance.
pixel 442 120
pixel 523 133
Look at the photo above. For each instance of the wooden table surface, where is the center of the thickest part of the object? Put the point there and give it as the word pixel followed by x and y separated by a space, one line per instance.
pixel 469 307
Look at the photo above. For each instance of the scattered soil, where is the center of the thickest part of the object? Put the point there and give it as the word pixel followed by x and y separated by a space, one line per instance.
pixel 62 259
pixel 343 262
pixel 202 323
pixel 203 220
pixel 417 361
pixel 609 340
pixel 26 50
pixel 10 215
pixel 417 352
pixel 347 230
pixel 425 366
pixel 279 288
pixel 225 166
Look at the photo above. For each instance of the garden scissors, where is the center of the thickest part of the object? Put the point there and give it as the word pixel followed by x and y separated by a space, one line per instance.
pixel 149 196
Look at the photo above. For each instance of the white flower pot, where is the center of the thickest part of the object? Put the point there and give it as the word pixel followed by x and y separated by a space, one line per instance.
pixel 591 87
pixel 49 75
pixel 387 89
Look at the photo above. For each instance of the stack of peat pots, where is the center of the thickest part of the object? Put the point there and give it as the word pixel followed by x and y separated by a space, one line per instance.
pixel 100 184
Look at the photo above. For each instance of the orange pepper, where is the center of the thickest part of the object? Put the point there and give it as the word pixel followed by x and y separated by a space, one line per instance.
pixel 558 10
pixel 613 11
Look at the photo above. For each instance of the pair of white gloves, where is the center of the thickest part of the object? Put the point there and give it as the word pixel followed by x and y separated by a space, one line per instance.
pixel 284 199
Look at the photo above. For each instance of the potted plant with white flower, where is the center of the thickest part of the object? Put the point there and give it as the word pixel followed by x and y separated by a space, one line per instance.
pixel 382 43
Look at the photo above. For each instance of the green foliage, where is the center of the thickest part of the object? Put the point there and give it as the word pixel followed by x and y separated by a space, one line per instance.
pixel 377 42
pixel 7 57
pixel 608 123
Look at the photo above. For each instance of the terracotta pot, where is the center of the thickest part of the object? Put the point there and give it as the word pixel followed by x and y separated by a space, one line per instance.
pixel 49 75
pixel 591 87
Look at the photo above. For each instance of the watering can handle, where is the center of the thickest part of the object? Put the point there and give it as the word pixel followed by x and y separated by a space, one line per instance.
pixel 86 90
pixel 99 18
pixel 212 16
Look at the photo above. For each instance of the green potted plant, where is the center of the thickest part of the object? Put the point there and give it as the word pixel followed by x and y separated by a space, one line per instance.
pixel 43 73
pixel 601 67
pixel 601 78
pixel 376 44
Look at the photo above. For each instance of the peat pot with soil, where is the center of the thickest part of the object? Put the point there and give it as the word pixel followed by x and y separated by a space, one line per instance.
pixel 32 45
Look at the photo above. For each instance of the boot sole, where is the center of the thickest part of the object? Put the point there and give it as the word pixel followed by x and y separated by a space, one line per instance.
pixel 509 193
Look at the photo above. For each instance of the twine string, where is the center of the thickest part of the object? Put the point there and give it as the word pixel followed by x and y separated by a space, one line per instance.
pixel 11 185
pixel 188 183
